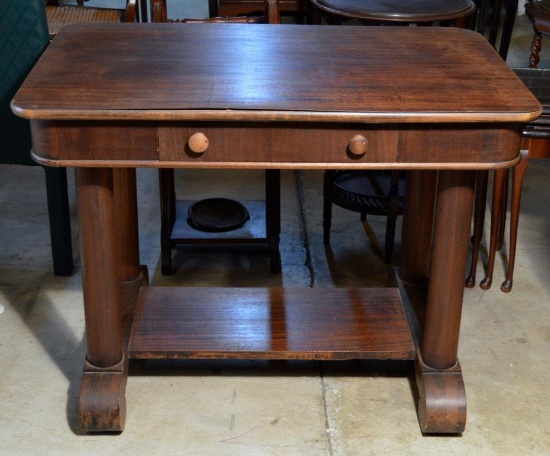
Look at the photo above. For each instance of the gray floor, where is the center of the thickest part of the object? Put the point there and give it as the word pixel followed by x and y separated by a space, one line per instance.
pixel 257 408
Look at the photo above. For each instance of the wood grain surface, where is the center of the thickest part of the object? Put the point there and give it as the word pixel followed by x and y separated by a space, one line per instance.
pixel 261 323
pixel 273 72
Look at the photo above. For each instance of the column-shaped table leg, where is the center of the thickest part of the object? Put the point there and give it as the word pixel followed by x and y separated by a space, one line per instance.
pixel 418 216
pixel 111 280
pixel 129 272
pixel 442 401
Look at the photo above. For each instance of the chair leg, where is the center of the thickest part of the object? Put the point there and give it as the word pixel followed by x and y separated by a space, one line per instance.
pixel 390 238
pixel 482 179
pixel 495 20
pixel 327 206
pixel 503 212
pixel 508 26
pixel 536 46
pixel 498 196
pixel 517 183
pixel 60 221
pixel 273 217
pixel 393 212
pixel 167 217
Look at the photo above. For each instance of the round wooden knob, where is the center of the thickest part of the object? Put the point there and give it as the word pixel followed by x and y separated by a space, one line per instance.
pixel 358 145
pixel 198 143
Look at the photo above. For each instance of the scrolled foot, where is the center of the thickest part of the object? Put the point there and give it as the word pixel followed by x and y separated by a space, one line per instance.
pixel 102 405
pixel 442 400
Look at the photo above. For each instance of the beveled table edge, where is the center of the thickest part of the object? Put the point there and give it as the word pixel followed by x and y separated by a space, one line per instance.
pixel 277 115
pixel 270 165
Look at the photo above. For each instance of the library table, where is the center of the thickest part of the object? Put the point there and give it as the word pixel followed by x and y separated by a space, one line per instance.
pixel 439 103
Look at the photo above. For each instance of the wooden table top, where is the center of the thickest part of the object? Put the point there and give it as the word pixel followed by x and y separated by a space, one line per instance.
pixel 266 72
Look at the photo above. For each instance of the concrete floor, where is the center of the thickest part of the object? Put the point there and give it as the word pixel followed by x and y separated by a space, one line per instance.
pixel 261 408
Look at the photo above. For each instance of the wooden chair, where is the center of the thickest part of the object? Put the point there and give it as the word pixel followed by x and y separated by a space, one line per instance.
pixel 24 35
pixel 535 144
pixel 175 230
pixel 270 14
pixel 232 8
pixel 539 15
pixel 60 14
pixel 379 193
pixel 491 17
pixel 495 19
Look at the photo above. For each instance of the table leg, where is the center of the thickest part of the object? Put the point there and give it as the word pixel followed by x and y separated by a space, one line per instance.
pixel 498 219
pixel 273 217
pixel 442 398
pixel 129 272
pixel 111 280
pixel 517 183
pixel 418 213
pixel 482 179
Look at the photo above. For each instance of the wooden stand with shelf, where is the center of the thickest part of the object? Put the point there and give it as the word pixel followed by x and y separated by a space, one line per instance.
pixel 263 229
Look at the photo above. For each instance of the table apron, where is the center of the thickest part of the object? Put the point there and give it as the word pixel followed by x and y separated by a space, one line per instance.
pixel 275 145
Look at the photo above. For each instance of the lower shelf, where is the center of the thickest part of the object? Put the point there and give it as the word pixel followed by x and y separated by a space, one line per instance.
pixel 263 323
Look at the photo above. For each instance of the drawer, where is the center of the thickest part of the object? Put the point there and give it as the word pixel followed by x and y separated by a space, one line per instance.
pixel 276 145
pixel 68 140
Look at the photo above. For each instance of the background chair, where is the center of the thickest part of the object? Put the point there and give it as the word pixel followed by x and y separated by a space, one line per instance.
pixel 231 8
pixel 539 15
pixel 269 13
pixel 494 19
pixel 175 229
pixel 368 193
pixel 61 14
pixel 535 144
pixel 23 37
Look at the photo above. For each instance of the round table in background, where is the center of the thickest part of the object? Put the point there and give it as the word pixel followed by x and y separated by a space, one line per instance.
pixel 398 10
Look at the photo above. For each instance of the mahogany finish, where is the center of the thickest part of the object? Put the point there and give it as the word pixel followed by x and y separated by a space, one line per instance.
pixel 268 323
pixel 257 95
pixel 414 266
pixel 275 85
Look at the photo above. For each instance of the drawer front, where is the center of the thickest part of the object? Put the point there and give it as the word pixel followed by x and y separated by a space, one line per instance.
pixel 113 142
pixel 203 143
